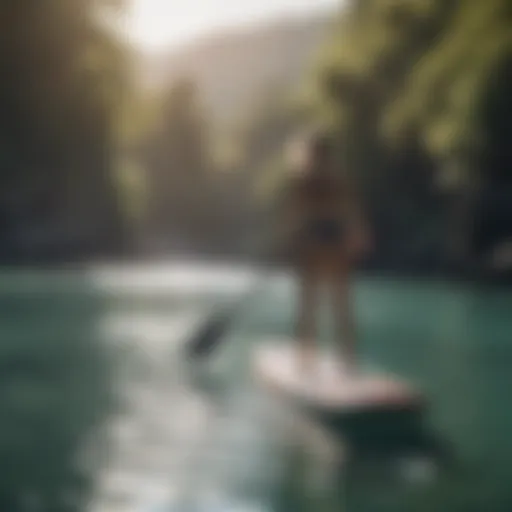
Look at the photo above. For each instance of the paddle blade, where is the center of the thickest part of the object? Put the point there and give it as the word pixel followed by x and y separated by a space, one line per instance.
pixel 210 335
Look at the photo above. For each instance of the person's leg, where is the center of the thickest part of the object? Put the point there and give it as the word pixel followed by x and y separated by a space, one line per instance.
pixel 344 318
pixel 306 318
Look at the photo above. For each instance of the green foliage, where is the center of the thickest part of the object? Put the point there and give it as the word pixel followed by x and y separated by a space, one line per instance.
pixel 131 184
pixel 177 161
pixel 416 91
pixel 267 126
pixel 420 68
pixel 445 95
pixel 60 98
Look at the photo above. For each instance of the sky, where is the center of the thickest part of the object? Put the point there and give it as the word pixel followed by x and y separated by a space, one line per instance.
pixel 154 24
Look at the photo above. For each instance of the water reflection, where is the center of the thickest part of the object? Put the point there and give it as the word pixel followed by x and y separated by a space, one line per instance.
pixel 313 469
pixel 55 389
pixel 161 432
pixel 208 438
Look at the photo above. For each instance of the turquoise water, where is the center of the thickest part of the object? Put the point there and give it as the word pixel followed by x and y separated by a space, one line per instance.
pixel 209 439
pixel 454 342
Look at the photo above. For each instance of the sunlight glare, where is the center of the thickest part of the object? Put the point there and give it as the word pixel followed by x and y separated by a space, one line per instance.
pixel 159 23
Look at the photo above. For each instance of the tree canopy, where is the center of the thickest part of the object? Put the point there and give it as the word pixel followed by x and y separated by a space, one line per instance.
pixel 417 91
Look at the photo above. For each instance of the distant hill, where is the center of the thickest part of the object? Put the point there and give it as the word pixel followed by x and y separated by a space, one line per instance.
pixel 234 68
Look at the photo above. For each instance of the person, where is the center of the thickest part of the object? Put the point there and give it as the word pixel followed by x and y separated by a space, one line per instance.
pixel 325 236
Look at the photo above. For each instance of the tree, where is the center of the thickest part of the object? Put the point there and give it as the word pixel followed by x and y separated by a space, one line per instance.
pixel 63 77
pixel 176 157
pixel 416 92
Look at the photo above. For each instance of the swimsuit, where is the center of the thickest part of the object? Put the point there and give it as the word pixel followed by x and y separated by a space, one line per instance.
pixel 321 227
pixel 324 231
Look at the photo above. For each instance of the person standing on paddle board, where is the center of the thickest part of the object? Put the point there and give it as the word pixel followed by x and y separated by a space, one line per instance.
pixel 324 238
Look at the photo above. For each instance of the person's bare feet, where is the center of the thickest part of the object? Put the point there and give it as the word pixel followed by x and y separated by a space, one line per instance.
pixel 347 365
pixel 306 361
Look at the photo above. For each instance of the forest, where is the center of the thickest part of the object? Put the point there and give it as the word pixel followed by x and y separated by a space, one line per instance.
pixel 107 153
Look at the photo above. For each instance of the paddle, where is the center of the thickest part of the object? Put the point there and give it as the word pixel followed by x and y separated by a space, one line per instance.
pixel 212 332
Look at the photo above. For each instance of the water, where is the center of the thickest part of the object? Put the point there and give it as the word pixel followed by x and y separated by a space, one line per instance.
pixel 209 439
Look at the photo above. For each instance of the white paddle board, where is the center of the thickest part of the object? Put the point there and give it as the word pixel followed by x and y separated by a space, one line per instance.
pixel 328 385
